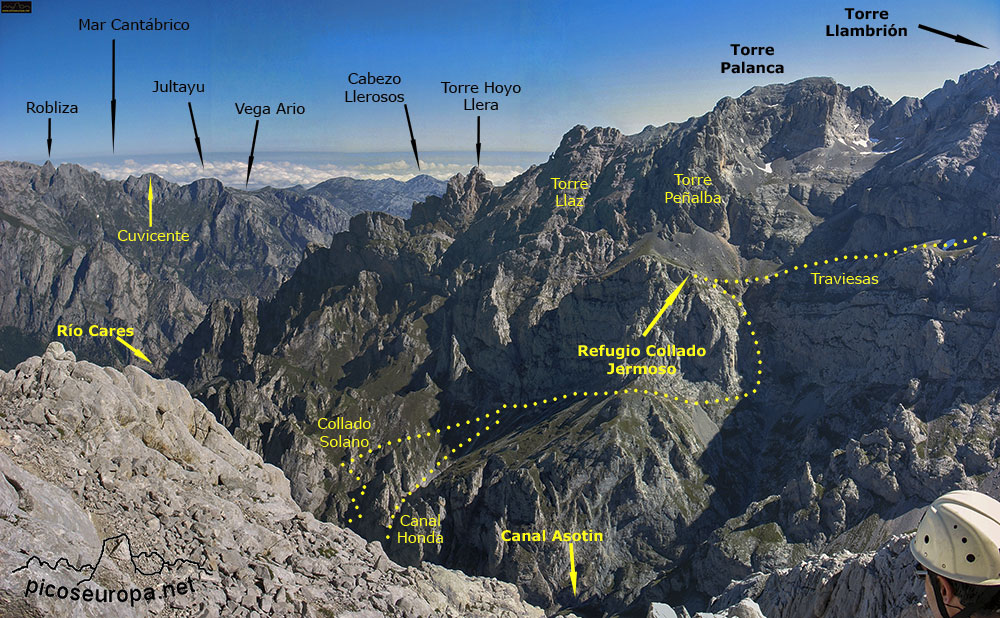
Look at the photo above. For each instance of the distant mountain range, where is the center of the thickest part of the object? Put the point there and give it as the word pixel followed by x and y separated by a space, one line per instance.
pixel 392 196
pixel 59 247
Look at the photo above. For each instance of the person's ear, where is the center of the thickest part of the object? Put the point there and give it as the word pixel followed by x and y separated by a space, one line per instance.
pixel 947 591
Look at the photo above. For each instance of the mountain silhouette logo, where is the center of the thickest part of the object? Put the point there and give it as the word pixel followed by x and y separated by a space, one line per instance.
pixel 144 563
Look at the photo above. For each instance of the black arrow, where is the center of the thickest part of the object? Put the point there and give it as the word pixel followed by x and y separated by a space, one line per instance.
pixel 49 141
pixel 114 102
pixel 479 144
pixel 253 145
pixel 197 142
pixel 413 142
pixel 958 38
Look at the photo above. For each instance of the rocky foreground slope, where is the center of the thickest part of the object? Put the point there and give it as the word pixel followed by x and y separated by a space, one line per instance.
pixel 89 453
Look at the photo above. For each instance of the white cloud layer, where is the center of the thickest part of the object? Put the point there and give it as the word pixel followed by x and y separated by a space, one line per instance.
pixel 287 174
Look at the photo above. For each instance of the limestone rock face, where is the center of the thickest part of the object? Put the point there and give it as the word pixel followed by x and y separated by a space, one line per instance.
pixel 878 583
pixel 872 400
pixel 941 149
pixel 91 455
pixel 827 415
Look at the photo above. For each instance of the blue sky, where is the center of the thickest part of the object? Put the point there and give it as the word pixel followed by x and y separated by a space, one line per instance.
pixel 594 63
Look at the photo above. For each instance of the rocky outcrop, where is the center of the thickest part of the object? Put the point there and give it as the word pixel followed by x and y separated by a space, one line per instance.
pixel 93 458
pixel 844 585
pixel 377 297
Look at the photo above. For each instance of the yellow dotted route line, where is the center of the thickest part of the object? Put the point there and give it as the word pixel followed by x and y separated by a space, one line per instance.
pixel 425 480
pixel 734 398
pixel 848 258
pixel 389 444
pixel 467 440
pixel 756 345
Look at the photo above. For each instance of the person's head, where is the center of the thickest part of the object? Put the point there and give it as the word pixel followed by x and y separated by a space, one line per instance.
pixel 957 545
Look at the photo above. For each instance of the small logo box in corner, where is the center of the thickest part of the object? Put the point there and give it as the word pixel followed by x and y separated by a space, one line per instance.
pixel 18 6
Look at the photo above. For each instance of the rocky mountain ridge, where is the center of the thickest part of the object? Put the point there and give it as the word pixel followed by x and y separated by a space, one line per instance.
pixel 59 229
pixel 482 296
pixel 874 399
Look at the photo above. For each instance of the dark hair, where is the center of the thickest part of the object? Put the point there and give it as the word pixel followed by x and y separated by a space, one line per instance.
pixel 988 597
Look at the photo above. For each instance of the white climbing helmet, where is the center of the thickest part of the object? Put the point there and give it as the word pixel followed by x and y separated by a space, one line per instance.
pixel 959 538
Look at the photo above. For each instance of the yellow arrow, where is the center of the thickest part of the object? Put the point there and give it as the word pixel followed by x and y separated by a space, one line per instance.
pixel 150 207
pixel 136 351
pixel 572 568
pixel 670 301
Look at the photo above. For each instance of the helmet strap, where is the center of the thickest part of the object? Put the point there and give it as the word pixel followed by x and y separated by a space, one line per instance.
pixel 936 587
pixel 968 611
